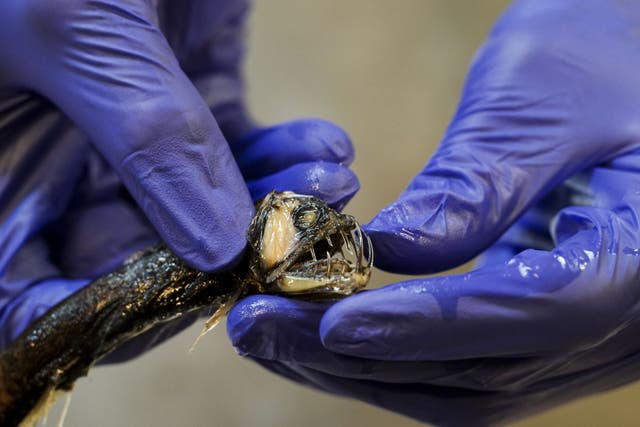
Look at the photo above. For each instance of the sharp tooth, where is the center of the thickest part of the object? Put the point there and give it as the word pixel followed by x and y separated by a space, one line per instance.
pixel 370 247
pixel 360 247
pixel 346 243
pixel 328 264
pixel 313 254
pixel 329 241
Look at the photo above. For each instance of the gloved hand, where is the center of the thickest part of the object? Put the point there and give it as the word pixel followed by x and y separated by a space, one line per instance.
pixel 546 138
pixel 140 82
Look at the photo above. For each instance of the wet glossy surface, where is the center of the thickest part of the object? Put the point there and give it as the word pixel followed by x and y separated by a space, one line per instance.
pixel 336 60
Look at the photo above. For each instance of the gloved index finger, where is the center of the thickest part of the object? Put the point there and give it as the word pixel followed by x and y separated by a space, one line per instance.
pixel 111 70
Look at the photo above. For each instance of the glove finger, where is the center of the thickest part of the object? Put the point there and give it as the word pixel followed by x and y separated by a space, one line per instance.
pixel 458 207
pixel 208 39
pixel 118 80
pixel 524 125
pixel 334 183
pixel 275 148
pixel 538 303
pixel 278 332
pixel 281 330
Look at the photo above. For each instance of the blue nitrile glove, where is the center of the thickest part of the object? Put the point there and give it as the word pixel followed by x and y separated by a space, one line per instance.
pixel 141 85
pixel 547 135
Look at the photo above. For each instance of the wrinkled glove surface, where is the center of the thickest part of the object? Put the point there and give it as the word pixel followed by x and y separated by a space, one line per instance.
pixel 540 167
pixel 123 118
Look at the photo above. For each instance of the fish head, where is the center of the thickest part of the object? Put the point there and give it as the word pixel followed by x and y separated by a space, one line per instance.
pixel 299 245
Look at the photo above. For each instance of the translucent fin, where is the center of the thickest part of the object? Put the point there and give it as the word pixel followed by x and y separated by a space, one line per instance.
pixel 41 409
pixel 65 409
pixel 216 317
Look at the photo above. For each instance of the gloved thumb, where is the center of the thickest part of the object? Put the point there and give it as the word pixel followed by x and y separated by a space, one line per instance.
pixel 522 127
pixel 486 172
pixel 107 65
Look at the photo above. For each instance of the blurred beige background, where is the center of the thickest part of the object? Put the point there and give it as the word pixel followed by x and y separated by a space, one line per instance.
pixel 390 74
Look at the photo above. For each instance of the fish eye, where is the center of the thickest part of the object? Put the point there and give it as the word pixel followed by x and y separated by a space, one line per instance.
pixel 305 217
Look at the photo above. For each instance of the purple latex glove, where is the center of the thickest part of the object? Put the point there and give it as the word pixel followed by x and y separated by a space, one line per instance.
pixel 104 100
pixel 541 163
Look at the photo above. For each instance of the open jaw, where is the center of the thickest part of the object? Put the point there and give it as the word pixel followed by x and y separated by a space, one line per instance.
pixel 301 246
pixel 337 264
